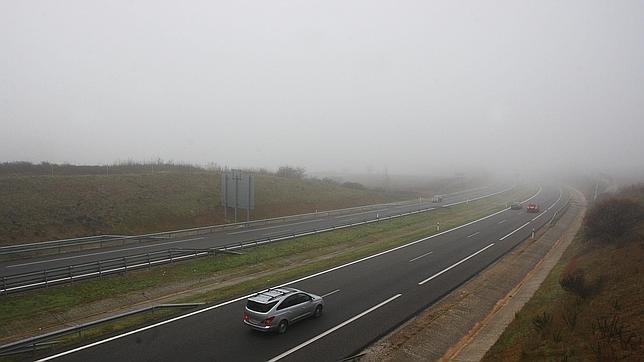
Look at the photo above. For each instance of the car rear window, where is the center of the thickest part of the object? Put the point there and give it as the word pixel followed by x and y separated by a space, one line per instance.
pixel 260 307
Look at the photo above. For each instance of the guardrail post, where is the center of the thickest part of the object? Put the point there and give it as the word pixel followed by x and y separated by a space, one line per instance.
pixel 71 276
pixel 171 259
pixel 149 263
pixel 125 264
pixel 4 284
pixel 46 279
pixel 100 269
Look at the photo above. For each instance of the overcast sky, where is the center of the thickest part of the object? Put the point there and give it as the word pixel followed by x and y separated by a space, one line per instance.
pixel 411 86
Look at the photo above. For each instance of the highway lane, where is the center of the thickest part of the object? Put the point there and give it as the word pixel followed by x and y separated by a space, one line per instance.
pixel 369 298
pixel 226 237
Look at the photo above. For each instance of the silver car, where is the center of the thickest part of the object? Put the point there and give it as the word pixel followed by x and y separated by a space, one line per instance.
pixel 276 309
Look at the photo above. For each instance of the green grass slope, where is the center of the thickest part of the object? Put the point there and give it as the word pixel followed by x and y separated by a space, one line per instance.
pixel 35 208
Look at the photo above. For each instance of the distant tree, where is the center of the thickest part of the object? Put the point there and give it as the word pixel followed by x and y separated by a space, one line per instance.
pixel 291 172
pixel 354 185
pixel 612 218
pixel 329 180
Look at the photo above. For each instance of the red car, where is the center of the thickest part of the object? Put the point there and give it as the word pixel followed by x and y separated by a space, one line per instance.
pixel 532 208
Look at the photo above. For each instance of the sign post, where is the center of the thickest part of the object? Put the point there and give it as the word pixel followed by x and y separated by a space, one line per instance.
pixel 237 191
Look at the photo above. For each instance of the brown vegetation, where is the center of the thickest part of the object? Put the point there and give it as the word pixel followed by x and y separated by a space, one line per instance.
pixel 591 306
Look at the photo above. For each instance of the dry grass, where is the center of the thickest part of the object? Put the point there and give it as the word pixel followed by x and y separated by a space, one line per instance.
pixel 591 307
pixel 36 208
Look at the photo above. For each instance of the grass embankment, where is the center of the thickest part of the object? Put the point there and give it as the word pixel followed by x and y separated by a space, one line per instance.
pixel 225 276
pixel 591 306
pixel 36 208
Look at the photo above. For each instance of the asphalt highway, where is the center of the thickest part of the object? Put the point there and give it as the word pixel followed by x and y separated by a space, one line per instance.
pixel 365 299
pixel 243 234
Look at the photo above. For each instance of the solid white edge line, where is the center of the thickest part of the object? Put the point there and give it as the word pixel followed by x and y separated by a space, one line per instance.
pixel 481 197
pixel 281 285
pixel 418 257
pixel 274 227
pixel 524 225
pixel 454 265
pixel 533 196
pixel 329 331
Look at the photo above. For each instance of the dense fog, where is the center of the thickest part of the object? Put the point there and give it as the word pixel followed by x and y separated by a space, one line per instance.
pixel 413 87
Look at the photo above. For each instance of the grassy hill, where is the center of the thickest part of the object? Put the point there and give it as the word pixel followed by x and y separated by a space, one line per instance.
pixel 40 207
pixel 591 306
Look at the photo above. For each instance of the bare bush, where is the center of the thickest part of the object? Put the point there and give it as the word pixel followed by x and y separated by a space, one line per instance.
pixel 541 322
pixel 569 316
pixel 574 281
pixel 610 219
pixel 612 338
pixel 291 172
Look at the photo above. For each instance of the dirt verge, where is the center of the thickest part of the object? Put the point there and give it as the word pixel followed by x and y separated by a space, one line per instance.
pixel 466 322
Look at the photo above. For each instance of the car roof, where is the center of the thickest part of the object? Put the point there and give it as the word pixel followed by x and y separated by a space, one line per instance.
pixel 273 294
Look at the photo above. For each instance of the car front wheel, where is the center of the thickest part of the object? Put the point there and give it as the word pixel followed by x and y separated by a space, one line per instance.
pixel 318 311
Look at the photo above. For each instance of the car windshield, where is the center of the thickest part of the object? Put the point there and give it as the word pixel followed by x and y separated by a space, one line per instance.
pixel 260 307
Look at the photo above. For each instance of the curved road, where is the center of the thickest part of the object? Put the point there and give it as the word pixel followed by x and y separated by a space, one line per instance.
pixel 243 234
pixel 365 299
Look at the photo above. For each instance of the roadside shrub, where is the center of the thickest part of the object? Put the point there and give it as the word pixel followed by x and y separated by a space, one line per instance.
pixel 574 281
pixel 354 185
pixel 610 219
pixel 541 322
pixel 291 172
pixel 570 314
pixel 612 339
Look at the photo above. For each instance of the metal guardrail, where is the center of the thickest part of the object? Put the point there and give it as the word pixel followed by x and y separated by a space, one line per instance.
pixel 70 273
pixel 559 213
pixel 46 277
pixel 59 275
pixel 37 342
pixel 100 241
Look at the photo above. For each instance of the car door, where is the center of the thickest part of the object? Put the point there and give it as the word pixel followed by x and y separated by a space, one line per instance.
pixel 288 308
pixel 304 305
